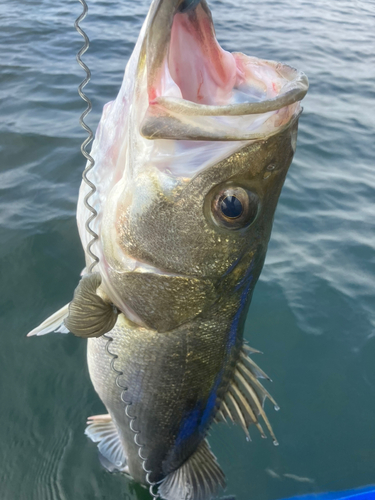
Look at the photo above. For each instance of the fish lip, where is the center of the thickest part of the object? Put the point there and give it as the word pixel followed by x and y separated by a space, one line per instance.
pixel 188 108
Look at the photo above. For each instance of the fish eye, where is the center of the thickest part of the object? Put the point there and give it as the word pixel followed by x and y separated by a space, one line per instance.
pixel 231 207
pixel 234 207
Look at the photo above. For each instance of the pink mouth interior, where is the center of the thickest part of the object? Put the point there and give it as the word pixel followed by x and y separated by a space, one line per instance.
pixel 204 72
pixel 198 70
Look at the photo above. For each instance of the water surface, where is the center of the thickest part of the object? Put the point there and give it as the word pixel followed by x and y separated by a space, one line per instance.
pixel 313 309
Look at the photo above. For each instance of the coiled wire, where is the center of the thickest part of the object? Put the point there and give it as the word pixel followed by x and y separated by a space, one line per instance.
pixel 131 418
pixel 94 236
pixel 90 160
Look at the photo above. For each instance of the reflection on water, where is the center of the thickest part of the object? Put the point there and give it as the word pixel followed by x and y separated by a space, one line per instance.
pixel 313 309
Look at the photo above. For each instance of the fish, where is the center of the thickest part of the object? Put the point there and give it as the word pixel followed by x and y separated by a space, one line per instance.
pixel 190 160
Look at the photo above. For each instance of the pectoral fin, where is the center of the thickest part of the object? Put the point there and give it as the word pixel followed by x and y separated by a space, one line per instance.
pixel 244 400
pixel 54 323
pixel 90 315
pixel 199 478
pixel 87 315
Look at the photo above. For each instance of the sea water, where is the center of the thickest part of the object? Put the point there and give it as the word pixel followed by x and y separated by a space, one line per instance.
pixel 313 311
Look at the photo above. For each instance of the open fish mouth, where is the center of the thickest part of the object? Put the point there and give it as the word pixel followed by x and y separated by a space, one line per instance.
pixel 196 90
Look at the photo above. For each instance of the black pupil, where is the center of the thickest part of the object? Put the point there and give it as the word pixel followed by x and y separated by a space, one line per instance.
pixel 231 207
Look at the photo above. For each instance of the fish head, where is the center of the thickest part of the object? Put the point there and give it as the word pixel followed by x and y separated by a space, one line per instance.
pixel 190 161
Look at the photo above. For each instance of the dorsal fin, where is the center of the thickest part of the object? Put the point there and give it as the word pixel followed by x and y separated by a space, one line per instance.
pixel 245 398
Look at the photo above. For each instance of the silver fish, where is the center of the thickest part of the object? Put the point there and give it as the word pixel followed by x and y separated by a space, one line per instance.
pixel 190 160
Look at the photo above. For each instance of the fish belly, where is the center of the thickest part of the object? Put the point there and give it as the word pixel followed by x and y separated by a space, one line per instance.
pixel 171 384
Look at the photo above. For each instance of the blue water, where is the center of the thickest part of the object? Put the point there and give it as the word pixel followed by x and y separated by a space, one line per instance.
pixel 367 493
pixel 313 311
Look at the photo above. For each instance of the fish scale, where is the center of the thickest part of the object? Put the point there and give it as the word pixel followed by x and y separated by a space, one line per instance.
pixel 158 407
